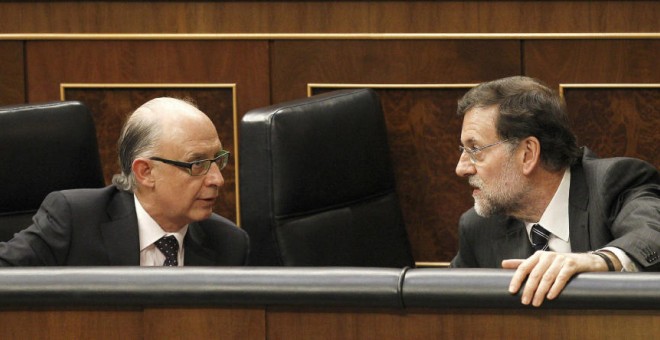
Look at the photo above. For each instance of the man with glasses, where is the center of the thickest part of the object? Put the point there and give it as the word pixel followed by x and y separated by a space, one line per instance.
pixel 158 210
pixel 543 206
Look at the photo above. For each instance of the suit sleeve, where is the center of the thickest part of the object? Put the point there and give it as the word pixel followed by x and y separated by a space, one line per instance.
pixel 46 241
pixel 635 213
pixel 636 226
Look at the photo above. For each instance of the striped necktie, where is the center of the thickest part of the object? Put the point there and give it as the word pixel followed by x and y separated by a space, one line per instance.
pixel 539 237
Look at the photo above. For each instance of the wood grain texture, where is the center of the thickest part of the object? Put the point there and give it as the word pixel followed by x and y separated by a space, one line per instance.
pixel 12 73
pixel 298 63
pixel 71 324
pixel 617 122
pixel 460 324
pixel 592 61
pixel 111 106
pixel 328 16
pixel 204 323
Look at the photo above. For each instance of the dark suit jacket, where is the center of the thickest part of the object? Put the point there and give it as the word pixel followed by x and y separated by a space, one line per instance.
pixel 98 227
pixel 612 202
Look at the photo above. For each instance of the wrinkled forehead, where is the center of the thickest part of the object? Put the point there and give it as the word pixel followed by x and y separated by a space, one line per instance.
pixel 479 124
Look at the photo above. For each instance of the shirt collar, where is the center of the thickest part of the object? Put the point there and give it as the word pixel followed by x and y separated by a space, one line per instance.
pixel 555 216
pixel 150 231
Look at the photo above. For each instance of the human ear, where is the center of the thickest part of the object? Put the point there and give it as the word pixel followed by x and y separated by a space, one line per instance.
pixel 531 148
pixel 142 171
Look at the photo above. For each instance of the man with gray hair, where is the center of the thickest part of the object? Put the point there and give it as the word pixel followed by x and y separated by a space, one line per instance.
pixel 542 205
pixel 158 212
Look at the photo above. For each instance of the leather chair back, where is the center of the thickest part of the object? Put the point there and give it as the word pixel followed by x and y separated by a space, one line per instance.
pixel 317 186
pixel 44 148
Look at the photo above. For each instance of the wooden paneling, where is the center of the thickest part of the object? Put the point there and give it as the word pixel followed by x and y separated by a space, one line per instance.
pixel 460 324
pixel 315 323
pixel 12 73
pixel 592 61
pixel 71 324
pixel 204 323
pixel 617 121
pixel 110 107
pixel 297 63
pixel 244 63
pixel 328 16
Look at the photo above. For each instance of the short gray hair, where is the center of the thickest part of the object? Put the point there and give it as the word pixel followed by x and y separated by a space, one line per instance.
pixel 139 138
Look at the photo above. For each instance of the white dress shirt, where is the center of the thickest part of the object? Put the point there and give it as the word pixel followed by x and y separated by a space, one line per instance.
pixel 150 232
pixel 555 220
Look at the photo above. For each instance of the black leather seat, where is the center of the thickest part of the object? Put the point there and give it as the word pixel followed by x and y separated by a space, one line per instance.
pixel 317 186
pixel 45 147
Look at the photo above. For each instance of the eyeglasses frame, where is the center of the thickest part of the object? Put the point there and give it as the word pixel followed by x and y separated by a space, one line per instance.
pixel 473 151
pixel 188 165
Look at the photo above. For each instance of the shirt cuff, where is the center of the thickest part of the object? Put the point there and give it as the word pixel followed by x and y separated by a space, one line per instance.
pixel 627 264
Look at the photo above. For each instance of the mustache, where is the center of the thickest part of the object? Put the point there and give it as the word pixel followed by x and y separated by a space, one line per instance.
pixel 475 182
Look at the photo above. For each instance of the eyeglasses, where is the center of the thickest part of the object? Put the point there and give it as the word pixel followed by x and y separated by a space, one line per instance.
pixel 473 152
pixel 201 167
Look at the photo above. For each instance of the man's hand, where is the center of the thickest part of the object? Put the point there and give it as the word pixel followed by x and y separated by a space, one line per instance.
pixel 548 272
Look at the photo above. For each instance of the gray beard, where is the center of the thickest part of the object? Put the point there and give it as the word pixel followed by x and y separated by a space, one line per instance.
pixel 502 197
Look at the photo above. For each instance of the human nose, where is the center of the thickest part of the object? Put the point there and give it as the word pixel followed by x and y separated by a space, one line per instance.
pixel 465 167
pixel 214 176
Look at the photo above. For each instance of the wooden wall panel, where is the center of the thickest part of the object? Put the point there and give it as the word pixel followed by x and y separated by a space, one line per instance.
pixel 459 324
pixel 52 63
pixel 617 121
pixel 12 73
pixel 204 323
pixel 592 61
pixel 423 130
pixel 71 324
pixel 298 63
pixel 328 16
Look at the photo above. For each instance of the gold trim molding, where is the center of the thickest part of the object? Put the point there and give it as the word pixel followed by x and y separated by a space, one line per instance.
pixel 323 36
pixel 312 86
pixel 569 86
pixel 232 86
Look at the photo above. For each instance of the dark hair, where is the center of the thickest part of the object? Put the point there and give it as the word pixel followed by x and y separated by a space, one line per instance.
pixel 528 108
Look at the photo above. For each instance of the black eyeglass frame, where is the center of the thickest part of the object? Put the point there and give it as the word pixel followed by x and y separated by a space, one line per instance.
pixel 206 163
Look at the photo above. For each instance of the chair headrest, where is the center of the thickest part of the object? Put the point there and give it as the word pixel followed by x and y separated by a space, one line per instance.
pixel 45 147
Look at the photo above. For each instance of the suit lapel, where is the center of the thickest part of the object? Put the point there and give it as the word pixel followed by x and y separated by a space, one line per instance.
pixel 120 234
pixel 514 242
pixel 578 216
pixel 196 254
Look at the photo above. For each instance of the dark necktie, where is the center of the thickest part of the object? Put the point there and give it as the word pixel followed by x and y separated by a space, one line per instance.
pixel 169 246
pixel 539 237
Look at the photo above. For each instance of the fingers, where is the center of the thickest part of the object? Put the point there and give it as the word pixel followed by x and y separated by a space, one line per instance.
pixel 511 264
pixel 537 280
pixel 522 271
pixel 547 274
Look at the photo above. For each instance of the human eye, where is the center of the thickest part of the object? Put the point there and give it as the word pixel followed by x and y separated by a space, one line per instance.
pixel 199 166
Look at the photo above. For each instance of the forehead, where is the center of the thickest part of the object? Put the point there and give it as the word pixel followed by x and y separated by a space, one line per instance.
pixel 191 138
pixel 479 125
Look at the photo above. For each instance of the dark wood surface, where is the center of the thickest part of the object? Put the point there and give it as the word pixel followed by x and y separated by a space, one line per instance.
pixel 328 16
pixel 12 73
pixel 316 323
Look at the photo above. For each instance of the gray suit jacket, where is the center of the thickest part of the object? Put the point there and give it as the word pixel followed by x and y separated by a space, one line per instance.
pixel 612 202
pixel 98 227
